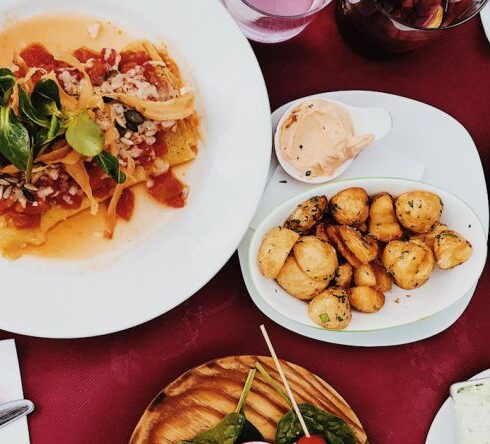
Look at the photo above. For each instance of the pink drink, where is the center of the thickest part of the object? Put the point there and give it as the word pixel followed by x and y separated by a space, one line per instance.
pixel 273 21
pixel 283 7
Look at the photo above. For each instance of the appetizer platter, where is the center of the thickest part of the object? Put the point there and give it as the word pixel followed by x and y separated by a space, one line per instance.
pixel 285 405
pixel 113 144
pixel 282 189
pixel 447 426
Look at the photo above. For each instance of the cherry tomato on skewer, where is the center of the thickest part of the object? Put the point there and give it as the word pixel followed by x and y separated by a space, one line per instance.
pixel 312 440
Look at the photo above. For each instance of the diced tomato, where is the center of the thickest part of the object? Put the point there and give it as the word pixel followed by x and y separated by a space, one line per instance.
pixel 98 69
pixel 5 204
pixel 152 75
pixel 41 207
pixel 111 57
pixel 127 67
pixel 38 56
pixel 20 73
pixel 23 221
pixel 97 72
pixel 125 206
pixel 147 156
pixel 169 190
pixel 66 200
pixel 84 55
pixel 101 186
pixel 129 59
pixel 160 147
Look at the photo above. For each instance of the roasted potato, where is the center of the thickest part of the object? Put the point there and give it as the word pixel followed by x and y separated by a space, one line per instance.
pixel 364 248
pixel 350 207
pixel 316 258
pixel 321 231
pixel 307 214
pixel 366 299
pixel 451 249
pixel 330 309
pixel 428 238
pixel 352 245
pixel 409 264
pixel 383 224
pixel 274 250
pixel 343 275
pixel 364 276
pixel 383 278
pixel 419 211
pixel 373 275
pixel 297 283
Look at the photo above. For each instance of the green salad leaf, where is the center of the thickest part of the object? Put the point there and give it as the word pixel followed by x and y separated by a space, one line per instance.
pixel 234 428
pixel 110 165
pixel 29 113
pixel 15 142
pixel 46 98
pixel 319 422
pixel 7 83
pixel 84 136
pixel 45 136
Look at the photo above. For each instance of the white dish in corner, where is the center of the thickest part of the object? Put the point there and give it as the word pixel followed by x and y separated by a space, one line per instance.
pixel 443 289
pixel 444 427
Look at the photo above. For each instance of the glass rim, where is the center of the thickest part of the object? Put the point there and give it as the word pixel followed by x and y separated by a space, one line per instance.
pixel 292 16
pixel 421 28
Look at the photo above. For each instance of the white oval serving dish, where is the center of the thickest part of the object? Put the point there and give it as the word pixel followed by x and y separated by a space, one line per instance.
pixel 402 307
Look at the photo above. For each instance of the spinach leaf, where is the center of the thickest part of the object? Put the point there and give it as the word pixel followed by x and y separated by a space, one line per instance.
pixel 249 433
pixel 7 83
pixel 110 165
pixel 46 98
pixel 225 432
pixel 334 429
pixel 15 142
pixel 84 136
pixel 29 113
pixel 234 428
pixel 44 136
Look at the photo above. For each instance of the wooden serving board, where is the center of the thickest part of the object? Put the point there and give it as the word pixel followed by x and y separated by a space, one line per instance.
pixel 201 397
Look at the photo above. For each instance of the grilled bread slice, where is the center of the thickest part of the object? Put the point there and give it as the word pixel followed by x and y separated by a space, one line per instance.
pixel 200 398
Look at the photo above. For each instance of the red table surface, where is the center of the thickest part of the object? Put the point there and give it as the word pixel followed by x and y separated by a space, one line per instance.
pixel 94 390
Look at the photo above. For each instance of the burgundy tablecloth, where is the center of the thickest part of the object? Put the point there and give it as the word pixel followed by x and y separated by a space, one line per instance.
pixel 93 391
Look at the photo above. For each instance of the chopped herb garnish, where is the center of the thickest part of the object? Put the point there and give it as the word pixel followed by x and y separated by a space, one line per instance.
pixel 324 318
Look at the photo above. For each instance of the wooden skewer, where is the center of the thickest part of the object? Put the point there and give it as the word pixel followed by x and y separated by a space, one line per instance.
pixel 285 381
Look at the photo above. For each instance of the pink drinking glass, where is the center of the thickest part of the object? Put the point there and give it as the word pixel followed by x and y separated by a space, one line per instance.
pixel 273 21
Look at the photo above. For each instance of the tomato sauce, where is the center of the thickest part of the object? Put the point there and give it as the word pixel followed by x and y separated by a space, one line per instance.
pixel 23 221
pixel 125 206
pixel 169 190
pixel 102 185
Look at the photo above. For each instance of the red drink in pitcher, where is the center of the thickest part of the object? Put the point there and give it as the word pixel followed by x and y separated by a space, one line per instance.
pixel 400 25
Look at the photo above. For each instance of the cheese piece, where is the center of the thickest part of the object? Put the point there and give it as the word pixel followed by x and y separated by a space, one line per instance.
pixel 472 401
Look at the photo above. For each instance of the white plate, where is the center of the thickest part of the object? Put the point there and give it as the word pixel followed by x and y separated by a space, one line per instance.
pixel 443 289
pixel 413 136
pixel 485 19
pixel 444 428
pixel 48 298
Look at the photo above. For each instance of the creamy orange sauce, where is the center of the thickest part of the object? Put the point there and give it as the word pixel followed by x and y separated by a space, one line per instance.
pixel 81 237
pixel 318 136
